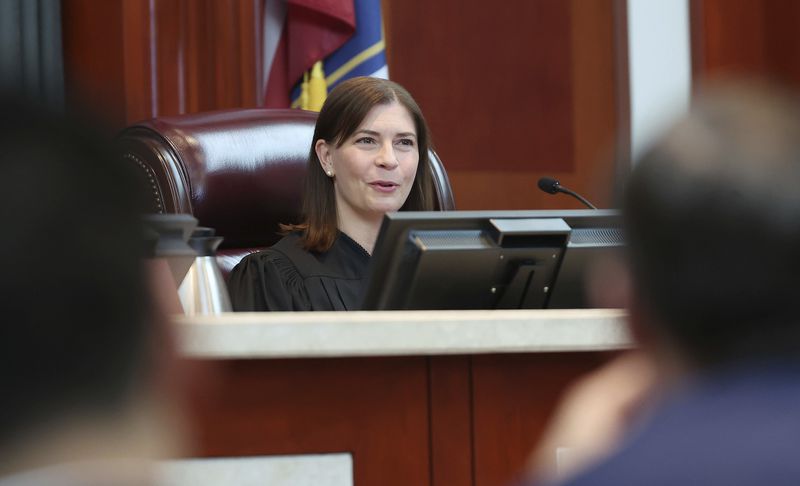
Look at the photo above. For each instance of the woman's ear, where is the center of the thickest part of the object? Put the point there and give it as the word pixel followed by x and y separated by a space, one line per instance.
pixel 323 150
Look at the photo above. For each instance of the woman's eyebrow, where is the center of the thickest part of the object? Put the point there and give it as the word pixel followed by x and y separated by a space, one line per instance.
pixel 376 134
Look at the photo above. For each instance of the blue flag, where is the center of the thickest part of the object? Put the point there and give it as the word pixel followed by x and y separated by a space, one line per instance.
pixel 364 54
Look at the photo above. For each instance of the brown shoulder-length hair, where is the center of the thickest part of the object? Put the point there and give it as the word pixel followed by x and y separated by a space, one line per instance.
pixel 345 108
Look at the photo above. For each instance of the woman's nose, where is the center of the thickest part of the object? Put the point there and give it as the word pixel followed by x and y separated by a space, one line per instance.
pixel 386 157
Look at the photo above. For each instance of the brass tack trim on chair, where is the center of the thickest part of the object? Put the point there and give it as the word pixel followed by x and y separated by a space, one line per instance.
pixel 151 179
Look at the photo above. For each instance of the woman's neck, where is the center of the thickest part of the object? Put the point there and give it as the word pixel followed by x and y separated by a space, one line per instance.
pixel 363 232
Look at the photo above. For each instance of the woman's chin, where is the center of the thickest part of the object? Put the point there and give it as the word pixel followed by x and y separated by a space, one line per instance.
pixel 383 207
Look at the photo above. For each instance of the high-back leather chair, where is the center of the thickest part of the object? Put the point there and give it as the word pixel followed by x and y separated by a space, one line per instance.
pixel 238 171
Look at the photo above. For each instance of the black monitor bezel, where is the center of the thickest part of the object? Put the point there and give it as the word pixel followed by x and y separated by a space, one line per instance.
pixel 396 225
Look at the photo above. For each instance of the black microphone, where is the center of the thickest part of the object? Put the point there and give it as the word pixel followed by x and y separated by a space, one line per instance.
pixel 552 186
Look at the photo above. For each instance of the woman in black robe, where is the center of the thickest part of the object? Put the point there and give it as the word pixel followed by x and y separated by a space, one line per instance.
pixel 369 156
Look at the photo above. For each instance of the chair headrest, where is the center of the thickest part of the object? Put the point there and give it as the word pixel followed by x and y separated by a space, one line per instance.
pixel 238 171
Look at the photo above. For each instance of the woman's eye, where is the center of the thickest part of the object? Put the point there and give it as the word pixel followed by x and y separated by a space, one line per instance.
pixel 367 140
pixel 406 141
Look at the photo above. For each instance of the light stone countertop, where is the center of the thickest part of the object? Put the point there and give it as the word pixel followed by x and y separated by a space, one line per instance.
pixel 400 333
pixel 291 470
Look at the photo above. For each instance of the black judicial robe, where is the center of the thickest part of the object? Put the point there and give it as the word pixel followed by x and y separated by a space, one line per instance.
pixel 286 277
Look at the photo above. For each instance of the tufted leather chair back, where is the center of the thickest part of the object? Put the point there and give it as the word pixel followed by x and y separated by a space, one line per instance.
pixel 238 171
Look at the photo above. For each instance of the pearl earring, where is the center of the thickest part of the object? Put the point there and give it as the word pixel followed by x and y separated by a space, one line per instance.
pixel 329 172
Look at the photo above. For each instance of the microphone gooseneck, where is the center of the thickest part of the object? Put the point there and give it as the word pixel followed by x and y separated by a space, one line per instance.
pixel 552 186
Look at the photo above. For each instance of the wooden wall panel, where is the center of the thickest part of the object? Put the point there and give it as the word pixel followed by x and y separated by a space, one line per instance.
pixel 746 37
pixel 600 91
pixel 494 95
pixel 511 409
pixel 141 93
pixel 94 75
pixel 728 36
pixel 376 409
pixel 134 59
pixel 513 91
pixel 436 421
pixel 169 33
pixel 450 392
pixel 782 18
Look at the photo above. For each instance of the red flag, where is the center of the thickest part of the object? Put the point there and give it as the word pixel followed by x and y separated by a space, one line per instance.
pixel 312 30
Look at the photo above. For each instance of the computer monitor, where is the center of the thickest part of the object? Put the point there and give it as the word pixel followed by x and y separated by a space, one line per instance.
pixel 488 259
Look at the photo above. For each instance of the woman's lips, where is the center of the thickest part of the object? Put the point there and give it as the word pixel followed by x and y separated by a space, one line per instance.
pixel 384 186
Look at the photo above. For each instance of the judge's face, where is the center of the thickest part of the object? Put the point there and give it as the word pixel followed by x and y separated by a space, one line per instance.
pixel 373 170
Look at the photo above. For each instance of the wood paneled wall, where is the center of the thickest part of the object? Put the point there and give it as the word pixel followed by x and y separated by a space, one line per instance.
pixel 746 37
pixel 516 90
pixel 129 60
pixel 513 90
pixel 407 420
pixel 496 96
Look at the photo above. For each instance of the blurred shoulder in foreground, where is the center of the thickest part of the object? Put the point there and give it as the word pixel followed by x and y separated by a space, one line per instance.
pixel 80 344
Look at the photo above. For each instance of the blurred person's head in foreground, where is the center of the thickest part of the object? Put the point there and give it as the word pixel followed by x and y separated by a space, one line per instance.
pixel 79 340
pixel 712 215
pixel 713 227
